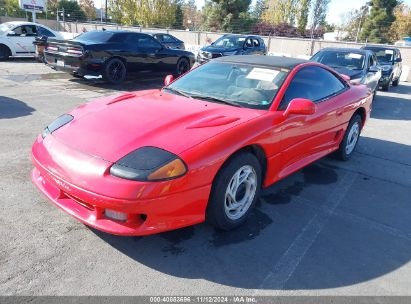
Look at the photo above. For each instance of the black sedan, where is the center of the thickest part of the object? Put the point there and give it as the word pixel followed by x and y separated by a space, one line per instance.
pixel 231 44
pixel 110 54
pixel 169 41
pixel 360 65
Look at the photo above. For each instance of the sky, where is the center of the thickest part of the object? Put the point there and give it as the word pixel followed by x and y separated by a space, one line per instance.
pixel 336 8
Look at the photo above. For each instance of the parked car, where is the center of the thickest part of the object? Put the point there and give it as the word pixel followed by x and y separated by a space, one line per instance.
pixel 111 54
pixel 169 41
pixel 360 65
pixel 231 44
pixel 390 60
pixel 200 148
pixel 17 37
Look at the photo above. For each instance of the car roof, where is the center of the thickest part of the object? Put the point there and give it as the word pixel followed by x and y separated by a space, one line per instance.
pixel 269 61
pixel 379 47
pixel 241 35
pixel 17 23
pixel 351 50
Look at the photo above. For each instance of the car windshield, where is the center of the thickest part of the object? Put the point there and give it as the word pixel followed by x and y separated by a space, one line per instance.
pixel 336 59
pixel 383 55
pixel 94 36
pixel 231 83
pixel 229 42
pixel 5 28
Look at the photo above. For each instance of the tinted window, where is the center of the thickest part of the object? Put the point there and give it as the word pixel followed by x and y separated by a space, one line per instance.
pixel 339 59
pixel 229 42
pixel 168 38
pixel 314 83
pixel 44 32
pixel 148 42
pixel 383 55
pixel 94 36
pixel 256 42
pixel 249 43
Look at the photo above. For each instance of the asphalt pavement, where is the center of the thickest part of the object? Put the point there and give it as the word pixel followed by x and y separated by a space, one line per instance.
pixel 333 228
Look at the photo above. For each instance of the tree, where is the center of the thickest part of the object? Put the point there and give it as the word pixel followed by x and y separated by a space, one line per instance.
pixel 377 26
pixel 226 15
pixel 258 9
pixel 72 10
pixel 401 27
pixel 12 8
pixel 281 11
pixel 304 10
pixel 190 13
pixel 89 9
pixel 179 16
pixel 319 13
pixel 352 23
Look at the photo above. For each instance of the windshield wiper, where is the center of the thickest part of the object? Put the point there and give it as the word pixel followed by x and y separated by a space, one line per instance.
pixel 210 98
pixel 179 92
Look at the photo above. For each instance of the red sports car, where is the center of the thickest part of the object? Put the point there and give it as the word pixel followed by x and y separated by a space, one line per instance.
pixel 200 148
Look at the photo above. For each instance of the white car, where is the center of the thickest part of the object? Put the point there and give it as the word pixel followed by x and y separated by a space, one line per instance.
pixel 16 38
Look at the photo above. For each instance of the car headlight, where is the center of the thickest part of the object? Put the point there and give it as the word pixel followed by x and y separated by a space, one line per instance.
pixel 385 68
pixel 149 164
pixel 229 53
pixel 58 123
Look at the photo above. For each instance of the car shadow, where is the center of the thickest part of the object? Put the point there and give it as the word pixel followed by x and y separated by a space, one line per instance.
pixel 365 237
pixel 134 81
pixel 391 108
pixel 12 108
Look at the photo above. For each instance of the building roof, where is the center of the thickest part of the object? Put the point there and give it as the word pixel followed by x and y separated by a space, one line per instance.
pixel 272 61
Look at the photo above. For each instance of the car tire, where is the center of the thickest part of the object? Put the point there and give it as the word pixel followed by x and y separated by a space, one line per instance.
pixel 183 66
pixel 350 140
pixel 386 87
pixel 115 71
pixel 4 52
pixel 226 192
pixel 395 82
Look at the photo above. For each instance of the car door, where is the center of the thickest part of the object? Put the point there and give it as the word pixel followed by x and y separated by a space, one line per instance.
pixel 305 138
pixel 22 39
pixel 372 73
pixel 397 64
pixel 155 56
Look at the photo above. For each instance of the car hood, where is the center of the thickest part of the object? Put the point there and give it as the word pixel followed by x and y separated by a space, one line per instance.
pixel 352 73
pixel 112 127
pixel 213 49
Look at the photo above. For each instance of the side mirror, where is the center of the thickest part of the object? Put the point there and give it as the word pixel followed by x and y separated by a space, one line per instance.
pixel 398 60
pixel 345 77
pixel 168 80
pixel 300 106
pixel 373 69
pixel 11 33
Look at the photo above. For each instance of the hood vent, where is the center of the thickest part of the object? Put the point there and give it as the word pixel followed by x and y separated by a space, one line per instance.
pixel 121 98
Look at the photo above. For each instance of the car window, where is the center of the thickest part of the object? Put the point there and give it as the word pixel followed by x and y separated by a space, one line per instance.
pixel 384 56
pixel 340 59
pixel 229 42
pixel 168 38
pixel 148 42
pixel 256 42
pixel 313 83
pixel 249 43
pixel 159 37
pixel 25 31
pixel 95 36
pixel 45 32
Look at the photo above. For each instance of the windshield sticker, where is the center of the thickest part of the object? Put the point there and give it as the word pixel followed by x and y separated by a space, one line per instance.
pixel 262 74
pixel 389 52
pixel 241 39
pixel 355 56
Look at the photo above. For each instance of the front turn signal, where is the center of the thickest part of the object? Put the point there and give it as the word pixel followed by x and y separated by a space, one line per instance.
pixel 173 169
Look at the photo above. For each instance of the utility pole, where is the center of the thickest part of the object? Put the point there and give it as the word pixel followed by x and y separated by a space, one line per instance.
pixel 106 11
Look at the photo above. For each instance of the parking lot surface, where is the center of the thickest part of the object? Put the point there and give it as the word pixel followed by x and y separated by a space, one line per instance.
pixel 333 228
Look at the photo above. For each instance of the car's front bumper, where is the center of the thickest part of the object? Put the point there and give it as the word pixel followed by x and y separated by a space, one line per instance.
pixel 80 185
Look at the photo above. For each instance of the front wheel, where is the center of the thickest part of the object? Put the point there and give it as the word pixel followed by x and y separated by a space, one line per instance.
pixel 115 71
pixel 350 140
pixel 235 191
pixel 4 53
pixel 395 82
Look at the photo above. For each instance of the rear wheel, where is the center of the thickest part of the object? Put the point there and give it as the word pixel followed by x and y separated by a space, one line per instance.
pixel 350 140
pixel 4 52
pixel 115 71
pixel 235 192
pixel 182 66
